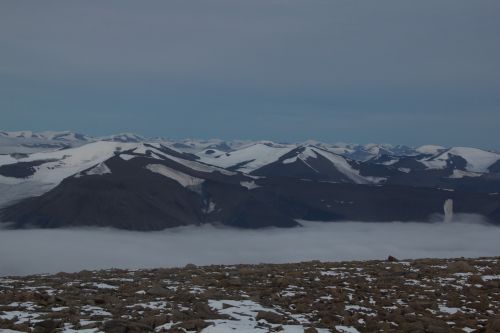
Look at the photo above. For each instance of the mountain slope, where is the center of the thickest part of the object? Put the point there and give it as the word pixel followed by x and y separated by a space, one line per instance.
pixel 311 162
pixel 246 159
pixel 147 192
pixel 121 183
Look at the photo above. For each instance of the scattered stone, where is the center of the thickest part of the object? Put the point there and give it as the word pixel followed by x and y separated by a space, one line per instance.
pixel 427 295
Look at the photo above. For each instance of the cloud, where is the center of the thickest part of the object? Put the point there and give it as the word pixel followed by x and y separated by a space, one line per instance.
pixel 39 251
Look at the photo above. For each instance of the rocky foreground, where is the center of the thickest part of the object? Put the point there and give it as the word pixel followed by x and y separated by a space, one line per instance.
pixel 428 295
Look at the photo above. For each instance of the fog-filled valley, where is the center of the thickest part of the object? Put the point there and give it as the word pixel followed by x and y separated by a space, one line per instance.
pixel 54 250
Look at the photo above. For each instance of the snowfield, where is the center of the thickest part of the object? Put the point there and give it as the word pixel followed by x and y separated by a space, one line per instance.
pixel 68 162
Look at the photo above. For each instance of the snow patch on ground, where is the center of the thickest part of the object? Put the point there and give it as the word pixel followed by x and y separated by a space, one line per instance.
pixel 490 277
pixel 346 329
pixel 242 316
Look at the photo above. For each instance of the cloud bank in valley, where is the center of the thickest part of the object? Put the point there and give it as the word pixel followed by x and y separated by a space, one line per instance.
pixel 49 251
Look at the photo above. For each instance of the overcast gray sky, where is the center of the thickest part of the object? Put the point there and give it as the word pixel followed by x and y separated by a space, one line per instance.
pixel 410 72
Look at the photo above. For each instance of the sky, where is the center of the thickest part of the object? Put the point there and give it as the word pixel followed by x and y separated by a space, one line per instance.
pixel 91 248
pixel 399 71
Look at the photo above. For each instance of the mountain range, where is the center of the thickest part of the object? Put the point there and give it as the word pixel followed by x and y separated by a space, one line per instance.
pixel 61 179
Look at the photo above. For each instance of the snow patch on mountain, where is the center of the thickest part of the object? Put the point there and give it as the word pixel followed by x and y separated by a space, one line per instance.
pixel 7 159
pixel 249 185
pixel 342 165
pixel 64 163
pixel 99 169
pixel 478 160
pixel 430 149
pixel 250 158
pixel 180 177
pixel 127 157
pixel 124 137
pixel 200 166
pixel 304 155
pixel 461 174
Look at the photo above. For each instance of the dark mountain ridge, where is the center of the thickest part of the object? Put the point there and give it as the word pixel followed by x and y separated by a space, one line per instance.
pixel 153 186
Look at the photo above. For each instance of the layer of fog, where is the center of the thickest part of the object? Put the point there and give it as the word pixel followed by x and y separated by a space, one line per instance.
pixel 39 251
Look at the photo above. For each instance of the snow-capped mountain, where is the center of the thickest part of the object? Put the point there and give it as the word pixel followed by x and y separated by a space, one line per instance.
pixel 246 159
pixel 310 162
pixel 124 137
pixel 130 182
pixel 26 142
pixel 464 159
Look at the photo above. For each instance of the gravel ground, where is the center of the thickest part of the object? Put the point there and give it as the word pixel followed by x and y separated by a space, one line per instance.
pixel 425 295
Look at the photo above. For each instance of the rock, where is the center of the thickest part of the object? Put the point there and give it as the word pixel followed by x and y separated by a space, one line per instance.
pixel 158 291
pixel 193 325
pixel 153 321
pixel 180 315
pixel 460 267
pixel 475 279
pixel 227 306
pixel 310 330
pixel 123 326
pixel 203 311
pixel 397 268
pixel 416 326
pixel 190 266
pixel 46 326
pixel 271 317
pixel 392 259
pixel 494 324
pixel 235 282
pixel 436 329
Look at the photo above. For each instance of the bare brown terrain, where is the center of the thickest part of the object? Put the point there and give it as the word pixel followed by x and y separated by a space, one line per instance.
pixel 425 295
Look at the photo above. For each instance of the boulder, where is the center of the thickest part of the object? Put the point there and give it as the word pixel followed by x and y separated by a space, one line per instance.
pixel 270 317
pixel 123 326
pixel 193 325
pixel 46 326
pixel 460 267
pixel 158 291
pixel 310 330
